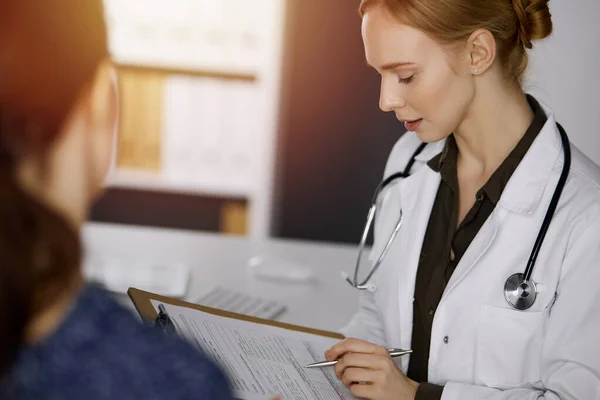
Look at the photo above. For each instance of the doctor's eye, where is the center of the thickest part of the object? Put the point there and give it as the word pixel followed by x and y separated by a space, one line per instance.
pixel 407 80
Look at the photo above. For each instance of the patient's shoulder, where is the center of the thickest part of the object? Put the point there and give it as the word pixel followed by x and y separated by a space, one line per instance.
pixel 103 352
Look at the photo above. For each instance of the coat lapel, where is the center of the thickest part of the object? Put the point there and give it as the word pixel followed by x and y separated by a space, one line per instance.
pixel 417 194
pixel 476 250
pixel 522 195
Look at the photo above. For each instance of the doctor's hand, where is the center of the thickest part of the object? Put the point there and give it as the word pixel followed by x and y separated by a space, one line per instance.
pixel 360 361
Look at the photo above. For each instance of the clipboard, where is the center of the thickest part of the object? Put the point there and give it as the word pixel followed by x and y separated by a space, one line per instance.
pixel 142 302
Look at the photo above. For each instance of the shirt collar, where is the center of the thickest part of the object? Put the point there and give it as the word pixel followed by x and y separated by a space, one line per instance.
pixel 497 182
pixel 445 162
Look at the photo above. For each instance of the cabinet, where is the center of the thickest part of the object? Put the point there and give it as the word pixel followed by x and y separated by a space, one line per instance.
pixel 199 86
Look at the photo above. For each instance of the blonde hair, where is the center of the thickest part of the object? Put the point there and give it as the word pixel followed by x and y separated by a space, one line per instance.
pixel 515 24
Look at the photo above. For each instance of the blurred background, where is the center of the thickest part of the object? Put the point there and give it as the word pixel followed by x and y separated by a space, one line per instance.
pixel 260 118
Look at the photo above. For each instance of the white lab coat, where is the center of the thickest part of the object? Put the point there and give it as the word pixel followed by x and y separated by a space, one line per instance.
pixel 482 348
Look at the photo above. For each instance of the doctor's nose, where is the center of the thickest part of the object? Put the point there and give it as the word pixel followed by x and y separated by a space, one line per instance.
pixel 389 101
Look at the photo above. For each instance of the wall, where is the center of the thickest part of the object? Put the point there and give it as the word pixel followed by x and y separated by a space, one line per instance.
pixel 333 138
pixel 564 72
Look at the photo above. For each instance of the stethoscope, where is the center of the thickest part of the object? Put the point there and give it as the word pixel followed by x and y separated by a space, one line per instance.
pixel 520 290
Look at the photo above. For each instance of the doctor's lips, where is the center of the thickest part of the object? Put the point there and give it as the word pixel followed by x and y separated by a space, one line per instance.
pixel 411 124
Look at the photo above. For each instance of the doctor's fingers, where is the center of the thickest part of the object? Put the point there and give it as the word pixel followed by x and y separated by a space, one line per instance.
pixel 353 376
pixel 352 345
pixel 374 362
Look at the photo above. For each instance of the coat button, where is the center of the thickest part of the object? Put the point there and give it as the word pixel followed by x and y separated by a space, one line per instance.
pixel 431 311
pixel 446 339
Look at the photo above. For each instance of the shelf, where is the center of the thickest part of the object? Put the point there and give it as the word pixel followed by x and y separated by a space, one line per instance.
pixel 155 181
pixel 171 70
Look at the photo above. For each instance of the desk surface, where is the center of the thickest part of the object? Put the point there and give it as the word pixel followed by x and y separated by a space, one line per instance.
pixel 218 260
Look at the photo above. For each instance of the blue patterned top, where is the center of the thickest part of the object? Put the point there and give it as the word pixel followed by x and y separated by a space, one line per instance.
pixel 101 352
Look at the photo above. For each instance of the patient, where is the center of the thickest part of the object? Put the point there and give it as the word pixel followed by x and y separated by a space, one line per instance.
pixel 61 338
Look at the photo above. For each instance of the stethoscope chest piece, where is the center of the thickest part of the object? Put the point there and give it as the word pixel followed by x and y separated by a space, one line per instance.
pixel 519 293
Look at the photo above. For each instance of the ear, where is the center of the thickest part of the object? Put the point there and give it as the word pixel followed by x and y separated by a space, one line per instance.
pixel 481 47
pixel 102 117
pixel 103 97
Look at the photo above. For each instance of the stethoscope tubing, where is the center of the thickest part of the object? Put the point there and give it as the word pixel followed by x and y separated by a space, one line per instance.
pixel 534 252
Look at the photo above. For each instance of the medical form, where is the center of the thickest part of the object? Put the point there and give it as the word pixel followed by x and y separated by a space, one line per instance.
pixel 261 360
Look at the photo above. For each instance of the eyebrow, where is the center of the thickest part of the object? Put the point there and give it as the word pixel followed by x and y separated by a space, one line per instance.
pixel 391 66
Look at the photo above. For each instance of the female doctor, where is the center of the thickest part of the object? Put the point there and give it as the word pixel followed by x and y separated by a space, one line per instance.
pixel 487 257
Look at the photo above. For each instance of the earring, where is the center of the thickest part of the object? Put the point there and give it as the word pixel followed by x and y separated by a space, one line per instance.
pixel 476 70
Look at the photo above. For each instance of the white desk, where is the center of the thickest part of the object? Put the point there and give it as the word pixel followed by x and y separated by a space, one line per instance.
pixel 221 260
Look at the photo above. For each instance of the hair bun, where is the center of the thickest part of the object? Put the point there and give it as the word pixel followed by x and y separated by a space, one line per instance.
pixel 534 20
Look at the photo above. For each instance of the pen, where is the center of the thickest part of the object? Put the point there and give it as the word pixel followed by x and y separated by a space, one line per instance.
pixel 392 352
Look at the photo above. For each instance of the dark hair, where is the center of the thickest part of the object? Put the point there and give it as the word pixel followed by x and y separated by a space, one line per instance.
pixel 49 53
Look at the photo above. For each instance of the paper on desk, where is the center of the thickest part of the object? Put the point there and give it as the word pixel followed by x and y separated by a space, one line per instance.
pixel 119 274
pixel 241 303
pixel 261 360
